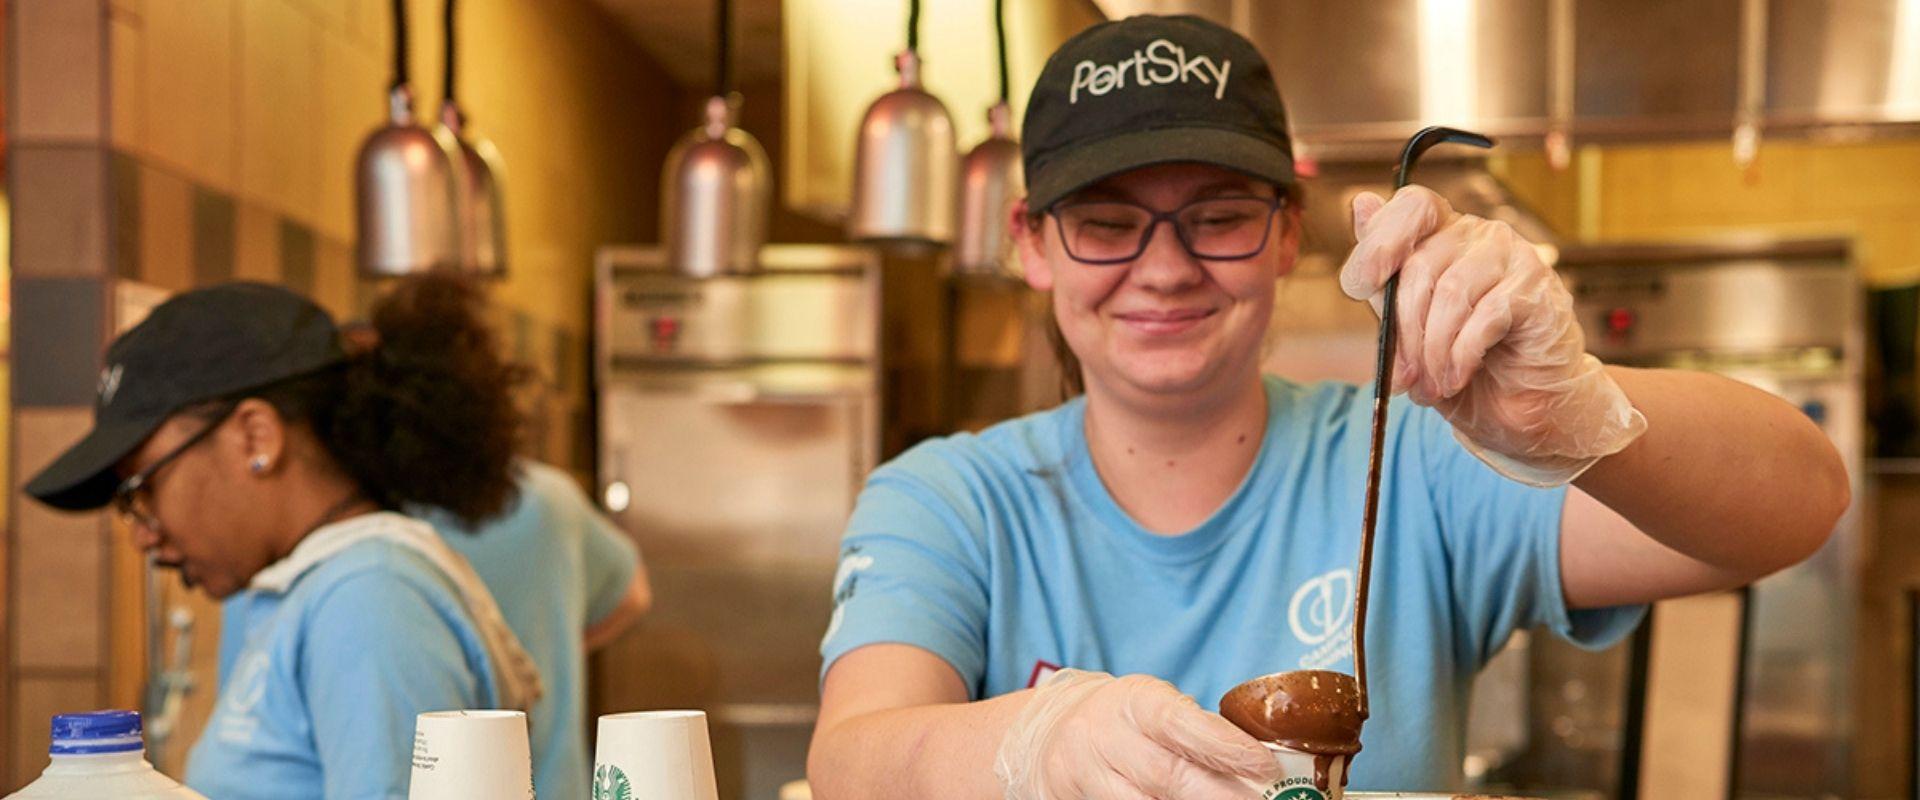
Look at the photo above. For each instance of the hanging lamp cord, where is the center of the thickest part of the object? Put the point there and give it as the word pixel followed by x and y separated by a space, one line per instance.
pixel 913 25
pixel 723 50
pixel 447 25
pixel 1000 35
pixel 399 44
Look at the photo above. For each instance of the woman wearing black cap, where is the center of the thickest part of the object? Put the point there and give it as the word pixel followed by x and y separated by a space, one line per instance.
pixel 1189 523
pixel 248 449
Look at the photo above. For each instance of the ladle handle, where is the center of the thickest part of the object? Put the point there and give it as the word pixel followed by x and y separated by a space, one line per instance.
pixel 1382 393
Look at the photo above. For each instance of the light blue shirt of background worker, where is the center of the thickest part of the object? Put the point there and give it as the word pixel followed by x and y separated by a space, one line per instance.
pixel 249 449
pixel 568 582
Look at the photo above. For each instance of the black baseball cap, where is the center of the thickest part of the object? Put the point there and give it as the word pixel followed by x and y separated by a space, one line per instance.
pixel 202 345
pixel 1152 90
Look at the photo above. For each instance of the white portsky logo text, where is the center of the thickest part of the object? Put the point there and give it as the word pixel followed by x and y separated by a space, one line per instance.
pixel 1161 62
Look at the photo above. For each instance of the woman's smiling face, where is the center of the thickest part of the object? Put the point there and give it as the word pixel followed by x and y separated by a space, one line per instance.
pixel 1165 323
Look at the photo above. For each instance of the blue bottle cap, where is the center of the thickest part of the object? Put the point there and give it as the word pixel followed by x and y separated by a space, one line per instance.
pixel 96 732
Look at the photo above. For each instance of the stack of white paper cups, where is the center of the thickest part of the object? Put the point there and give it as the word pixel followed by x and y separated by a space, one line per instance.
pixel 654 754
pixel 471 755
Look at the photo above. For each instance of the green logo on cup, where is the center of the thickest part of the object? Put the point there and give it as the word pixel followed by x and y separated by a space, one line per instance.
pixel 1292 789
pixel 609 783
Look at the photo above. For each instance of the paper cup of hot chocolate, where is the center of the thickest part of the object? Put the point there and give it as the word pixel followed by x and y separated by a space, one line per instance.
pixel 471 755
pixel 654 754
pixel 1302 773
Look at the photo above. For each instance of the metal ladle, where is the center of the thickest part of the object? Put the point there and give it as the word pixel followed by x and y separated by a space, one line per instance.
pixel 1261 706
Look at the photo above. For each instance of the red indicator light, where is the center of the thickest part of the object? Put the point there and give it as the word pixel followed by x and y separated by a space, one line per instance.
pixel 665 330
pixel 1619 320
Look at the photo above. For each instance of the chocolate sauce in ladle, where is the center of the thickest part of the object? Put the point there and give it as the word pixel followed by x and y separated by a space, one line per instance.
pixel 1310 711
pixel 1315 711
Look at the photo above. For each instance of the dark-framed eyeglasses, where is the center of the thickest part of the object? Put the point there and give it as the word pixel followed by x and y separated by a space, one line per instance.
pixel 1103 232
pixel 133 499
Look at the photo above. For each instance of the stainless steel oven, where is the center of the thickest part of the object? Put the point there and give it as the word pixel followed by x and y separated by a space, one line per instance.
pixel 738 417
pixel 1784 316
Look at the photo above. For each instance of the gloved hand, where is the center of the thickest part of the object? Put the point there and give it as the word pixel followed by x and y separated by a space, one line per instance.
pixel 1091 736
pixel 1488 338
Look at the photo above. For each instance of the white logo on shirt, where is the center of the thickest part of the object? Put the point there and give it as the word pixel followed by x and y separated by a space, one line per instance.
pixel 850 566
pixel 1321 616
pixel 1169 64
pixel 237 722
pixel 1321 607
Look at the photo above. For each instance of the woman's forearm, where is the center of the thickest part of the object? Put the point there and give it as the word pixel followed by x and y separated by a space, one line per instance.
pixel 1727 474
pixel 945 750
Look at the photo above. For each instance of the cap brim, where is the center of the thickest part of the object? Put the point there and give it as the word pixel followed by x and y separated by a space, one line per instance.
pixel 82 478
pixel 1088 162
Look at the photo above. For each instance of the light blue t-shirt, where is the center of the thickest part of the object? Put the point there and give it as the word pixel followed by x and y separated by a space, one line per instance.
pixel 555 565
pixel 319 686
pixel 1004 554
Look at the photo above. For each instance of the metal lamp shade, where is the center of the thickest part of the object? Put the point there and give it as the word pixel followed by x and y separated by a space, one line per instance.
pixel 404 194
pixel 478 202
pixel 483 211
pixel 715 192
pixel 990 179
pixel 903 185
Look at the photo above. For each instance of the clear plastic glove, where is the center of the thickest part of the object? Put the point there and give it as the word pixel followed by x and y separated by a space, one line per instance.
pixel 1488 338
pixel 1091 736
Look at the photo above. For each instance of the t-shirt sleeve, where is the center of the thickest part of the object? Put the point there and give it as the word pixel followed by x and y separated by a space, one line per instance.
pixel 376 654
pixel 1503 550
pixel 912 569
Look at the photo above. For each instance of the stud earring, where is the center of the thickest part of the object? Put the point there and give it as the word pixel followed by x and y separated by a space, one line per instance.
pixel 259 464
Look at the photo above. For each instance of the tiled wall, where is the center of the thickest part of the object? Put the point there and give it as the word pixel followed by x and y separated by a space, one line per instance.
pixel 1860 190
pixel 182 142
pixel 238 121
pixel 55 644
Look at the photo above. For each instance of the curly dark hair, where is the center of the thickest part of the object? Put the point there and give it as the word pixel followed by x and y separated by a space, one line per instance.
pixel 424 416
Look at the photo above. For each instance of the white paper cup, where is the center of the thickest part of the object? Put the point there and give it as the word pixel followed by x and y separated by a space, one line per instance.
pixel 471 755
pixel 659 755
pixel 1296 777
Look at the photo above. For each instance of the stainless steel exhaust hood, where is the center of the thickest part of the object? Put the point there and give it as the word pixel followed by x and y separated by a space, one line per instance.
pixel 1327 221
pixel 1360 74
